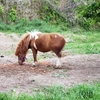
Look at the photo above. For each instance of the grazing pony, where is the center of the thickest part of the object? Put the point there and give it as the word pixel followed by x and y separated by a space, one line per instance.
pixel 36 41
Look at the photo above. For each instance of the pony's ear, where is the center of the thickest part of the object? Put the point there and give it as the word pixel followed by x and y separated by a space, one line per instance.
pixel 23 44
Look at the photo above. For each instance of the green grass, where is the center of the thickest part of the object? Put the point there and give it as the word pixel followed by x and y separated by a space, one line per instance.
pixel 84 43
pixel 79 92
pixel 22 25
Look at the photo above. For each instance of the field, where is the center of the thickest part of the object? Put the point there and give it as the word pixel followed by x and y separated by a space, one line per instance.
pixel 80 65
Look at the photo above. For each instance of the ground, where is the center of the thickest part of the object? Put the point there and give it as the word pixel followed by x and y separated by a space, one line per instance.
pixel 76 69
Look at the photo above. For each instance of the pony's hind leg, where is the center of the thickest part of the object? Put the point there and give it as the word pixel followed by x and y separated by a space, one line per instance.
pixel 58 63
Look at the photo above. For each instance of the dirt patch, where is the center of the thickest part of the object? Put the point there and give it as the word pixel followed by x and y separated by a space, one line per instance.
pixel 75 69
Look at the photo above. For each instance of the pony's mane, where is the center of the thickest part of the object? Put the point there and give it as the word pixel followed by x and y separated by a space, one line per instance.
pixel 34 33
pixel 23 44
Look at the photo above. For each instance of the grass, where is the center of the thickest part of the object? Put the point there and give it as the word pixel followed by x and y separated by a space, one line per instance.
pixel 84 43
pixel 79 92
pixel 22 25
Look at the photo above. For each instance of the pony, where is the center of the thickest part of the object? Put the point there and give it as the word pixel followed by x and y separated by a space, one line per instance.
pixel 37 41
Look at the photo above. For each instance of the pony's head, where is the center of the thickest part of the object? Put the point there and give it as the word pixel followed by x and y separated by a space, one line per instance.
pixel 21 59
pixel 22 48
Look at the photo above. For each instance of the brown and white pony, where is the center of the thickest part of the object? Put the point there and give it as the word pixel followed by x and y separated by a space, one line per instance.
pixel 36 41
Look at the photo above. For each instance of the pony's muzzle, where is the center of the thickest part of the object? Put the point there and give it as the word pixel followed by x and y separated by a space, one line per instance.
pixel 20 62
pixel 21 59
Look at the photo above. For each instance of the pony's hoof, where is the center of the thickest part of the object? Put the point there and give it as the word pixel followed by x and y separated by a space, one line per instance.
pixel 57 67
pixel 58 63
pixel 33 64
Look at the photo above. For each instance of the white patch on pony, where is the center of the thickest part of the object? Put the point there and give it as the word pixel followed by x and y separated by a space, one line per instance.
pixel 58 63
pixel 55 36
pixel 33 34
pixel 35 46
pixel 34 64
pixel 36 37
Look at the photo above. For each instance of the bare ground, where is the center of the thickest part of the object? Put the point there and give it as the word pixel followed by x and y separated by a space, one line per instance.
pixel 77 69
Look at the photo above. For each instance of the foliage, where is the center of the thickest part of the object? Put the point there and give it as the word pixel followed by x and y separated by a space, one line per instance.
pixel 49 14
pixel 1 11
pixel 88 14
pixel 80 92
pixel 12 15
pixel 55 1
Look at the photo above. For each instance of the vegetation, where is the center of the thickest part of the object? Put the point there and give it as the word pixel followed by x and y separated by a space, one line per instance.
pixel 80 92
pixel 86 42
pixel 12 15
pixel 23 25
pixel 88 14
pixel 48 14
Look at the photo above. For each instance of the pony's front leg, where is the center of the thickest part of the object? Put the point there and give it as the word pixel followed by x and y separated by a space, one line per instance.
pixel 34 56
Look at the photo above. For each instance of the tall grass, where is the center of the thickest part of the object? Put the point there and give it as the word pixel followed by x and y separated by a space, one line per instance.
pixel 23 25
pixel 80 92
